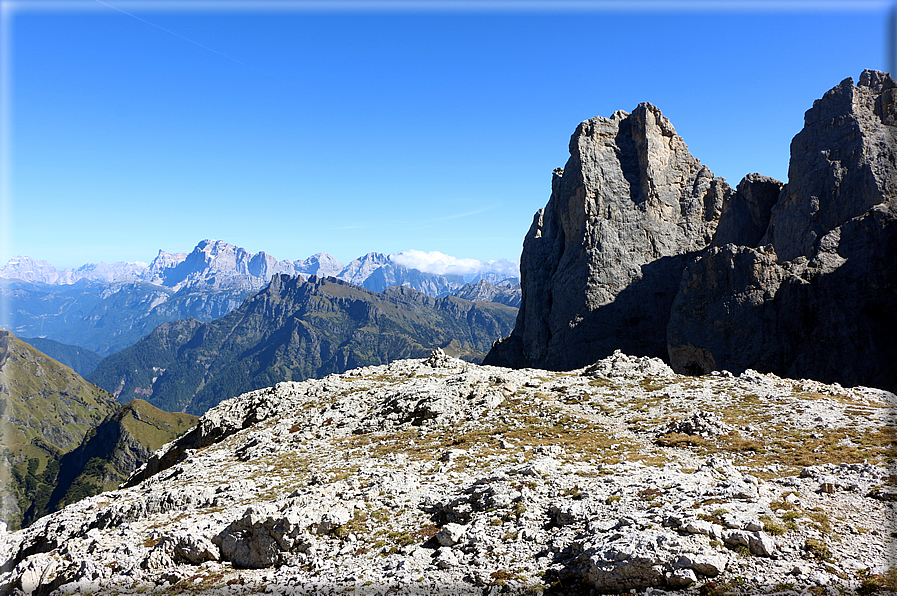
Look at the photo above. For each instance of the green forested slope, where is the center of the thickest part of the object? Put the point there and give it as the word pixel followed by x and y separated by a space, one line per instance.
pixel 294 330
pixel 115 448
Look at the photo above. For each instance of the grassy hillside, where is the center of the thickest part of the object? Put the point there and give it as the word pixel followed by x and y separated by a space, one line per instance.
pixel 114 449
pixel 294 330
pixel 46 409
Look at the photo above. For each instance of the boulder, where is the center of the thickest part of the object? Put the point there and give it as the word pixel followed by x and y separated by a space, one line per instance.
pixel 647 558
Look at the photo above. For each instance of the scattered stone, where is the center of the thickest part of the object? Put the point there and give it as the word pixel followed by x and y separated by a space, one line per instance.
pixel 365 497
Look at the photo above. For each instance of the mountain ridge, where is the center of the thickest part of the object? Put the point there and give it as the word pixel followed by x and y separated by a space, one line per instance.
pixel 217 264
pixel 295 329
pixel 207 283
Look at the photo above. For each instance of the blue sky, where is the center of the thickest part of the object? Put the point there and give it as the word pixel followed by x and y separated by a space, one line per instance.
pixel 372 127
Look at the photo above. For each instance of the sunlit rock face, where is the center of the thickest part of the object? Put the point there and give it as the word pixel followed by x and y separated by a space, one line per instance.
pixel 602 261
pixel 640 248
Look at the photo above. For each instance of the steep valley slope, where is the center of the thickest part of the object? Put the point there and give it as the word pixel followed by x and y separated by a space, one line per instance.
pixel 46 409
pixel 293 330
pixel 81 360
pixel 110 452
pixel 64 438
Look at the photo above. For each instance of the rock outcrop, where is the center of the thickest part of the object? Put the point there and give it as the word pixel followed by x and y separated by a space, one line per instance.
pixel 816 295
pixel 483 291
pixel 437 476
pixel 602 261
pixel 640 248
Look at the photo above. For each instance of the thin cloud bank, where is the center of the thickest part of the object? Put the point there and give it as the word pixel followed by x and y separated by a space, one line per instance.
pixel 443 264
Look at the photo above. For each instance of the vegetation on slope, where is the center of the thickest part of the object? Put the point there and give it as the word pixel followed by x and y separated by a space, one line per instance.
pixel 45 411
pixel 294 330
pixel 114 449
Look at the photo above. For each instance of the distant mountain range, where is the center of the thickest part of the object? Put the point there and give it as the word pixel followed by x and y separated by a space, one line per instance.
pixel 215 264
pixel 296 329
pixel 106 308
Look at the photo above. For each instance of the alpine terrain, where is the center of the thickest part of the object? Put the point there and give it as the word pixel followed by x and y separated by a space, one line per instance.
pixel 46 409
pixel 440 476
pixel 64 438
pixel 294 330
pixel 649 426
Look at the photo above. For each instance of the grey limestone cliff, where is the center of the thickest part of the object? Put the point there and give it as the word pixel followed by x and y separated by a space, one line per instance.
pixel 602 261
pixel 816 295
pixel 641 248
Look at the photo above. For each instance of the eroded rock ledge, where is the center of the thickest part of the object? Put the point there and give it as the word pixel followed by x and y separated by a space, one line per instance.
pixel 441 476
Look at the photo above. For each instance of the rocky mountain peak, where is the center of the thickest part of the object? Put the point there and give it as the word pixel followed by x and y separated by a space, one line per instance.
pixel 640 247
pixel 28 269
pixel 320 264
pixel 361 268
pixel 33 270
pixel 841 164
pixel 625 210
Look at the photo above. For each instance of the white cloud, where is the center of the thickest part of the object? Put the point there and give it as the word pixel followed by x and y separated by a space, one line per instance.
pixel 443 264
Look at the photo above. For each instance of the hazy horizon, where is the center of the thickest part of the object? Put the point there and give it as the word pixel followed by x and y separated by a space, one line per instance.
pixel 428 262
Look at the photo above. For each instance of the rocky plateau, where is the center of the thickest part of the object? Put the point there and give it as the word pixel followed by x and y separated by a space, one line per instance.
pixel 441 476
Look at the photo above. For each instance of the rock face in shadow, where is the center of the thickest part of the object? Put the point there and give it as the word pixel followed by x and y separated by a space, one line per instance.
pixel 602 261
pixel 795 279
pixel 816 296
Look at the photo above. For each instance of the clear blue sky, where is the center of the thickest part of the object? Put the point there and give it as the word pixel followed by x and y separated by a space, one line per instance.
pixel 352 129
